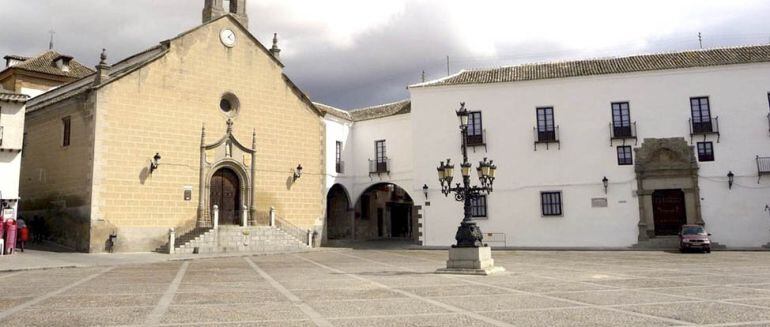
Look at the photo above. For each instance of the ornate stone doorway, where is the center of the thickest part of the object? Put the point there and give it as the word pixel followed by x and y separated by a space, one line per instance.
pixel 667 182
pixel 668 211
pixel 225 194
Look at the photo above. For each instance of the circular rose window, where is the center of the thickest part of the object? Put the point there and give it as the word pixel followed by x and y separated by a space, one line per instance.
pixel 229 104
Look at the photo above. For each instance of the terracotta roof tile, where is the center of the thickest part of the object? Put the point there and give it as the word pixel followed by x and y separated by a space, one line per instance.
pixel 45 63
pixel 637 63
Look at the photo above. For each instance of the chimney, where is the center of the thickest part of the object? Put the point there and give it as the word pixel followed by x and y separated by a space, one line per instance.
pixel 102 69
pixel 275 50
pixel 213 9
pixel 63 63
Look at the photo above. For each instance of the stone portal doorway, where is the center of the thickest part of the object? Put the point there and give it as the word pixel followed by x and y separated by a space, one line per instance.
pixel 225 193
pixel 668 210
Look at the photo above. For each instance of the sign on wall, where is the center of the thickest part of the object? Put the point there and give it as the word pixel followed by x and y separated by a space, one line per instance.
pixel 599 203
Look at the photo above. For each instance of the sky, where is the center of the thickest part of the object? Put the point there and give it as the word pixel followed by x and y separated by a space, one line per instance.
pixel 358 53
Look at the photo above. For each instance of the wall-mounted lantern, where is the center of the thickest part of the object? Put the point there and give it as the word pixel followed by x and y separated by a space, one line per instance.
pixel 730 179
pixel 425 191
pixel 606 183
pixel 155 162
pixel 297 172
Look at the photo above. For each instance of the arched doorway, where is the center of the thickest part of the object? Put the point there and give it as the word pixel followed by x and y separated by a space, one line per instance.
pixel 339 224
pixel 385 211
pixel 226 194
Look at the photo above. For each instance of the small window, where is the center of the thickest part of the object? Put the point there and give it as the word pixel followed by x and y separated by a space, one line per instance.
pixel 705 151
pixel 338 157
pixel 624 155
pixel 479 206
pixel 66 124
pixel 475 131
pixel 229 104
pixel 551 203
pixel 380 151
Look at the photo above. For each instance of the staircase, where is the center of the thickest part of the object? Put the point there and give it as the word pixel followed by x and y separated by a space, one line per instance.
pixel 234 239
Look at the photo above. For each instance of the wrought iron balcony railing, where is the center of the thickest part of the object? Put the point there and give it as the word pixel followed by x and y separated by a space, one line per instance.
pixel 623 133
pixel 763 167
pixel 339 167
pixel 705 128
pixel 379 166
pixel 473 141
pixel 546 137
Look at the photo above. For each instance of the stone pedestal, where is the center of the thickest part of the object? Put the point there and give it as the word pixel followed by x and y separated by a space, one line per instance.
pixel 470 261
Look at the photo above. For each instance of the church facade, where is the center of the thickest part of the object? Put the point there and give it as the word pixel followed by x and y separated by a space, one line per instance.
pixel 155 141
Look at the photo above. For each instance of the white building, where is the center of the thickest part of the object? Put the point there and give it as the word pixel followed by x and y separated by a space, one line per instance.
pixel 12 109
pixel 664 129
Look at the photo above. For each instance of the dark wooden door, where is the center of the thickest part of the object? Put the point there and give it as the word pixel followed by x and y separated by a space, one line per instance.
pixel 668 211
pixel 399 220
pixel 225 193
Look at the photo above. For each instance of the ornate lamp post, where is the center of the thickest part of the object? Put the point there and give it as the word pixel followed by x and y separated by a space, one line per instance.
pixel 469 234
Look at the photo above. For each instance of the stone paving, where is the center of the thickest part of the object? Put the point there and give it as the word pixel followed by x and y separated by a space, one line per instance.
pixel 345 287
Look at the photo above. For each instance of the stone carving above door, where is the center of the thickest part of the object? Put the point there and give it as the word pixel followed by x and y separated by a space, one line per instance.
pixel 665 154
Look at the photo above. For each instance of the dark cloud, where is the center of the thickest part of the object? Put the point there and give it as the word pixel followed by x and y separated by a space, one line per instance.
pixel 375 68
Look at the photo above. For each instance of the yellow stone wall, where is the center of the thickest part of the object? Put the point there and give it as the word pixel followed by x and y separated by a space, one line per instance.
pixel 56 180
pixel 161 108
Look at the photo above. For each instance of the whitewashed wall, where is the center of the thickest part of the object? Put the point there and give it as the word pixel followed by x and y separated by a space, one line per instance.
pixel 397 132
pixel 12 121
pixel 338 130
pixel 659 103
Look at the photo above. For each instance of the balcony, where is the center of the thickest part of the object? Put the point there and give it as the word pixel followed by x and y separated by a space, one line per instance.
pixel 339 167
pixel 546 137
pixel 379 166
pixel 705 128
pixel 763 167
pixel 473 141
pixel 623 133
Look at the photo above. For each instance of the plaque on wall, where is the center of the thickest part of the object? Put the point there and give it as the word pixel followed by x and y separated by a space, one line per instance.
pixel 188 193
pixel 599 203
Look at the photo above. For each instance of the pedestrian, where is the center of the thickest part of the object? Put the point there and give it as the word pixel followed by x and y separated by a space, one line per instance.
pixel 23 235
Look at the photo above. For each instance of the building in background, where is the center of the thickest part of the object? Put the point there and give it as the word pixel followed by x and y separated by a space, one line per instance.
pixel 678 138
pixel 12 109
pixel 33 76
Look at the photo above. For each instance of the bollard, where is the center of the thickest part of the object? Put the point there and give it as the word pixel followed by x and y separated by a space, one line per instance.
pixel 272 217
pixel 245 218
pixel 171 239
pixel 310 238
pixel 216 217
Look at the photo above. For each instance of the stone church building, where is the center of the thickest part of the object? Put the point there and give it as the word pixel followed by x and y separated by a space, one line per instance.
pixel 156 140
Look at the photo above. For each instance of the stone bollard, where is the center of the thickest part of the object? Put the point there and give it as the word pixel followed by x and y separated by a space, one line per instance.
pixel 245 219
pixel 272 217
pixel 310 238
pixel 171 239
pixel 216 217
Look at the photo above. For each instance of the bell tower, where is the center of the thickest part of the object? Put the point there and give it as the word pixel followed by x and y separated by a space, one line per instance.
pixel 213 9
pixel 238 10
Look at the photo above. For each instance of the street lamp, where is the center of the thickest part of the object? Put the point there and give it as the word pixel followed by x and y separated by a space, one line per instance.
pixel 468 234
pixel 606 183
pixel 730 179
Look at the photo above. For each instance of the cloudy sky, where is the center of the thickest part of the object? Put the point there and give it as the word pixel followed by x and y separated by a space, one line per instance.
pixel 355 53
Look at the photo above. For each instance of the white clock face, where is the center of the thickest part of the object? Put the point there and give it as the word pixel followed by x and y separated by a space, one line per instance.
pixel 227 37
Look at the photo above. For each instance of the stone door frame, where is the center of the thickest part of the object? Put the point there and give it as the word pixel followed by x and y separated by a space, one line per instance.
pixel 223 154
pixel 666 164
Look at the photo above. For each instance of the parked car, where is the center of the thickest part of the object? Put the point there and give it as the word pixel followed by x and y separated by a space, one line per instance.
pixel 694 237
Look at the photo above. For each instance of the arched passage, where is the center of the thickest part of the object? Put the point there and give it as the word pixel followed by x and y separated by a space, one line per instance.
pixel 339 222
pixel 385 211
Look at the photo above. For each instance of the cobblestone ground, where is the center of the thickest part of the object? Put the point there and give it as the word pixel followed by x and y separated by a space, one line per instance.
pixel 398 288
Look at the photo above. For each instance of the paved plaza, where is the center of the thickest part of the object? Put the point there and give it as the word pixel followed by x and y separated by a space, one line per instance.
pixel 343 287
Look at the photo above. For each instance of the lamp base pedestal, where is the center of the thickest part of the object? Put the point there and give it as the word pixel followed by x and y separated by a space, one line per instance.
pixel 470 261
